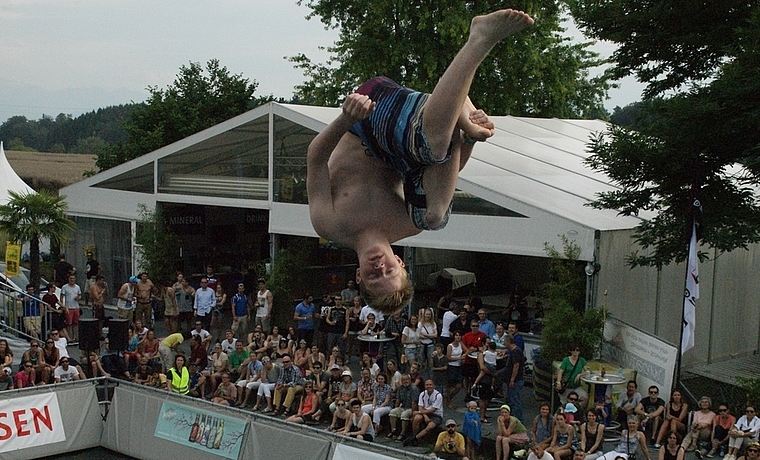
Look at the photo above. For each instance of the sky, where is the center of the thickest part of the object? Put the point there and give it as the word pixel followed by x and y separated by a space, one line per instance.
pixel 75 56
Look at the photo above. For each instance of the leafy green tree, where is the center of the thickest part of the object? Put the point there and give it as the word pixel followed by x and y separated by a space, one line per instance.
pixel 198 99
pixel 34 216
pixel 697 134
pixel 536 73
pixel 159 248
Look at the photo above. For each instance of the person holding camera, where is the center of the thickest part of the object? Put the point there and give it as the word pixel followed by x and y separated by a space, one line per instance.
pixel 450 443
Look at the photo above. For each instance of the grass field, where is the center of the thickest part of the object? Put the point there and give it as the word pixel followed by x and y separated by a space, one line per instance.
pixel 49 170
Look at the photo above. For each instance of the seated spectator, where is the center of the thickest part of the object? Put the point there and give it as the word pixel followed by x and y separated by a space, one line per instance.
pixel 672 450
pixel 592 436
pixel 289 383
pixel 132 353
pixel 753 451
pixel 511 432
pixel 359 424
pixel 346 389
pixel 249 381
pixel 564 441
pixel 35 355
pixel 542 426
pixel 429 414
pixel 203 334
pixel 320 380
pixel 198 354
pixel 195 377
pixel 381 403
pixel 722 425
pixel 744 431
pixel 226 392
pixel 6 354
pixel 308 410
pixel 537 452
pixel 212 376
pixel 66 373
pixel 92 363
pixel 404 404
pixel 365 388
pixel 369 363
pixel 236 361
pixel 450 443
pixel 675 417
pixel 6 380
pixel 701 427
pixel 158 379
pixel 142 373
pixel 627 403
pixel 340 417
pixel 228 344
pixel 25 377
pixel 631 441
pixel 148 347
pixel 651 410
pixel 269 375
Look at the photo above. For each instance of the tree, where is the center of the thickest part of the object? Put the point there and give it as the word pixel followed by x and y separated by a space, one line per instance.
pixel 198 99
pixel 159 248
pixel 536 73
pixel 34 216
pixel 696 136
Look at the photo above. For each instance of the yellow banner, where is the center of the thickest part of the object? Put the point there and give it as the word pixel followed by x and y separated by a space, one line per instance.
pixel 12 259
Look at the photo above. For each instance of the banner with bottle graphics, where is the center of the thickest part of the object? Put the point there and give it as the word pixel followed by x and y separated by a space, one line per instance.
pixel 204 431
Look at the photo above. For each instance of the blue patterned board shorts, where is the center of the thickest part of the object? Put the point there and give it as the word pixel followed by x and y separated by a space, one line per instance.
pixel 393 134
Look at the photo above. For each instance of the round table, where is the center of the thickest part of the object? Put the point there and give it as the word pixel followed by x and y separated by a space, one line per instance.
pixel 607 380
pixel 374 338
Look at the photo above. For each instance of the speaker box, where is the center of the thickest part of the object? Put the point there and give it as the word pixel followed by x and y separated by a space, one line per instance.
pixel 118 334
pixel 89 334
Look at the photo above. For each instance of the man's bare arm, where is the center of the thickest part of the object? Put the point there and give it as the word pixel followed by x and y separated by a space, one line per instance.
pixel 356 107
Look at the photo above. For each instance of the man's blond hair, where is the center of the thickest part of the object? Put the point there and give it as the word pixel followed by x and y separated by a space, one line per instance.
pixel 390 303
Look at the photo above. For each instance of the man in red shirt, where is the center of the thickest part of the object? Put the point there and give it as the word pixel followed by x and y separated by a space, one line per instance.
pixel 472 341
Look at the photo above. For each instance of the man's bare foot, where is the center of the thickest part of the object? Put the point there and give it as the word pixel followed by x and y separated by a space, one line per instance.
pixel 490 29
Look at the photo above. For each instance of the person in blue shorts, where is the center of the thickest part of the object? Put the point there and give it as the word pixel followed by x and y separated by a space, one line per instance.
pixel 387 167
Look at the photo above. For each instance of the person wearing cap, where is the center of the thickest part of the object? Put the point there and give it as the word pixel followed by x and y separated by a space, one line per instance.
pixel 125 303
pixel 429 412
pixel 333 386
pixel 304 316
pixel 450 443
pixel 346 389
pixel 6 380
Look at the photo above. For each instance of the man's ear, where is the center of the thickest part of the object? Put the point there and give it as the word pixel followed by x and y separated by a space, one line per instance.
pixel 358 277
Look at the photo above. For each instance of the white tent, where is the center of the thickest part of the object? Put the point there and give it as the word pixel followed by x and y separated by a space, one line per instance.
pixel 9 180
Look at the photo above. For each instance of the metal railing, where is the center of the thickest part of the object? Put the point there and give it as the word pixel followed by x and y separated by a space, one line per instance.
pixel 12 312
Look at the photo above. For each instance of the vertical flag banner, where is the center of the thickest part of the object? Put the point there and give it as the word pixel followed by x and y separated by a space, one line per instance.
pixel 12 259
pixel 691 294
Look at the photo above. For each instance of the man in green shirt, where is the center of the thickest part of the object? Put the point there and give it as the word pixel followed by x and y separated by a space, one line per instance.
pixel 237 360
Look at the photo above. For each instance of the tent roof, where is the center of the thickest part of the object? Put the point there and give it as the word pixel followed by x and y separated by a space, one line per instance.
pixel 9 180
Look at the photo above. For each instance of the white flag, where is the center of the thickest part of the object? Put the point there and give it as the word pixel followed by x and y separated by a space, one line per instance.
pixel 691 294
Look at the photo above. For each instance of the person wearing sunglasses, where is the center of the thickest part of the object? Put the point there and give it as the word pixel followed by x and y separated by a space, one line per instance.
pixel 752 452
pixel 650 410
pixel 722 424
pixel 450 443
pixel 569 376
pixel 744 431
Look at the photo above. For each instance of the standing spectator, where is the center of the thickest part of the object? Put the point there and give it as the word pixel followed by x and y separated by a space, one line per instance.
pixel 125 305
pixel 71 293
pixel 97 293
pixel 264 304
pixel 171 308
pixel 449 317
pixel 472 429
pixel 91 270
pixel 205 300
pixel 336 326
pixel 512 330
pixel 145 290
pixel 322 328
pixel 213 281
pixel 450 443
pixel 722 424
pixel 239 310
pixel 404 404
pixel 485 325
pixel 429 413
pixel 62 270
pixel 185 295
pixel 32 312
pixel 348 294
pixel 516 380
pixel 217 313
pixel 428 335
pixel 304 316
pixel 472 341
pixel 169 346
pixel 56 308
pixel 394 327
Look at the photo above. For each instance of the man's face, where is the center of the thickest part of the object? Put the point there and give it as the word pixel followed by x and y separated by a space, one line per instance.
pixel 538 450
pixel 381 274
pixel 239 346
pixel 138 325
pixel 198 326
pixel 228 336
pixel 631 388
pixel 429 386
pixel 64 363
pixel 89 256
pixel 482 314
pixel 262 286
pixel 143 277
pixel 579 455
pixel 241 288
pixel 512 329
pixel 405 380
pixel 654 393
pixel 72 279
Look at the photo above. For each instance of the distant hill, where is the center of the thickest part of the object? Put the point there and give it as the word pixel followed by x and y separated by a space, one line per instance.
pixel 87 133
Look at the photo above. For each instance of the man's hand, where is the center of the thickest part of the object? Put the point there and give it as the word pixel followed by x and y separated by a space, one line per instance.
pixel 358 107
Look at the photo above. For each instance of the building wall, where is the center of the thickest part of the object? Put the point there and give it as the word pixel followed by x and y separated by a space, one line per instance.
pixel 728 310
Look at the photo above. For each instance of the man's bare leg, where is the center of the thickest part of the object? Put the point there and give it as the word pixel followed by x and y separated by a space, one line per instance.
pixel 443 108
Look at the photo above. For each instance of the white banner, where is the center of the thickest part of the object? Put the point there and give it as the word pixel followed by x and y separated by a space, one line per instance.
pixel 344 452
pixel 30 421
pixel 691 294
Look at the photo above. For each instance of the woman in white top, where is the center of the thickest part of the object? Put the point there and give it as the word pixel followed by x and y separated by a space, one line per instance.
pixel 744 432
pixel 455 355
pixel 428 334
pixel 410 338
